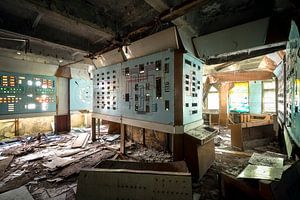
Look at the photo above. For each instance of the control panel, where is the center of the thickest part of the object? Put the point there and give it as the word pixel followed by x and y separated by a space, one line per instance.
pixel 143 88
pixel 107 90
pixel 280 73
pixel 192 89
pixel 26 93
pixel 81 94
pixel 293 85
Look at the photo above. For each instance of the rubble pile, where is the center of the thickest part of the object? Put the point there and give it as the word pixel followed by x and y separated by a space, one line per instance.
pixel 48 164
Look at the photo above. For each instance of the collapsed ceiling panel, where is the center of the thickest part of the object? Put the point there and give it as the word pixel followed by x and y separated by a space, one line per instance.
pixel 237 38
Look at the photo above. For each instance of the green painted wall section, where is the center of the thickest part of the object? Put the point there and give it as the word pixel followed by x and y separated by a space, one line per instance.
pixel 255 97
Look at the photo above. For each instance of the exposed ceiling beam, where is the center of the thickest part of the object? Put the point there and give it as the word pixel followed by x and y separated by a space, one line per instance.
pixel 39 47
pixel 223 66
pixel 268 64
pixel 161 6
pixel 245 54
pixel 182 9
pixel 243 75
pixel 170 14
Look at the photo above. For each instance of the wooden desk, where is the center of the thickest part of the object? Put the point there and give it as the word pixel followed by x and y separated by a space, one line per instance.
pixel 251 134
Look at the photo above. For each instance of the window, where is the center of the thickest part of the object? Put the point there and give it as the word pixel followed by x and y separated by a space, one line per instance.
pixel 213 99
pixel 238 98
pixel 269 98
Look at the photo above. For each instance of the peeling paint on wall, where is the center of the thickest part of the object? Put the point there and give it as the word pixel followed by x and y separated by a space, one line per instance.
pixel 7 128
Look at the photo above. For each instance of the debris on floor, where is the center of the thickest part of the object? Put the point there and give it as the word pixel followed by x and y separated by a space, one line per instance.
pixel 265 160
pixel 232 163
pixel 148 155
pixel 81 140
pixel 42 164
pixel 48 166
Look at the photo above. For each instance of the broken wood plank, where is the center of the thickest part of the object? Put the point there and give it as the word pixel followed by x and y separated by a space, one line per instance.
pixel 116 147
pixel 69 152
pixel 4 164
pixel 58 162
pixel 88 162
pixel 237 153
pixel 81 140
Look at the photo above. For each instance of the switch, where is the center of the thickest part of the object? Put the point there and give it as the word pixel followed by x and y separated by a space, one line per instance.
pixel 127 97
pixel 158 87
pixel 141 69
pixel 158 65
pixel 127 71
pixel 167 105
pixel 166 68
pixel 167 87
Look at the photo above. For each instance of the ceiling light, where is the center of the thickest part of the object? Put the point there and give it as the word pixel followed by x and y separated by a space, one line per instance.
pixel 60 60
pixel 19 53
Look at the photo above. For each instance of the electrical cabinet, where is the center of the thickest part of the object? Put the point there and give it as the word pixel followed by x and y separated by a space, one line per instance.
pixel 26 93
pixel 81 94
pixel 280 72
pixel 164 87
pixel 293 85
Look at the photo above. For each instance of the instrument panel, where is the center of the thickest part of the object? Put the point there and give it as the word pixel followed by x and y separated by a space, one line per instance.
pixel 144 88
pixel 26 93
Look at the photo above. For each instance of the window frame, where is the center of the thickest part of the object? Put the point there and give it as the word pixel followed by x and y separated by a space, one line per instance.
pixel 263 95
pixel 213 92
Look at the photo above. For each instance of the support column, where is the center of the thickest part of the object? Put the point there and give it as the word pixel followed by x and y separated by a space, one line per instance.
pixel 144 137
pixel 93 129
pixel 223 111
pixel 98 126
pixel 122 142
pixel 177 146
pixel 62 118
pixel 17 127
